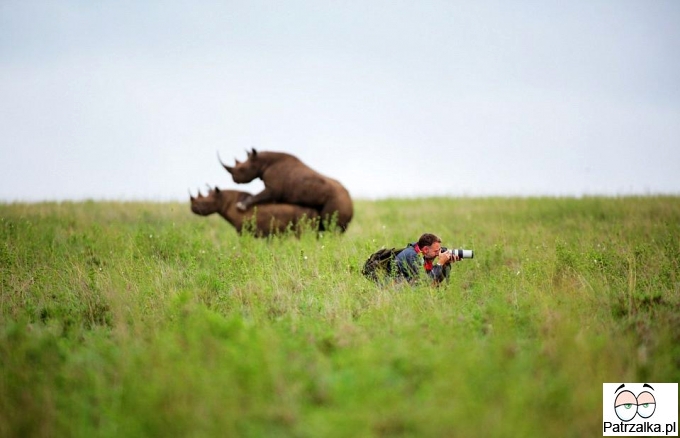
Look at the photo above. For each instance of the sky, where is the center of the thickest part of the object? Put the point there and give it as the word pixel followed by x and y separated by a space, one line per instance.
pixel 128 100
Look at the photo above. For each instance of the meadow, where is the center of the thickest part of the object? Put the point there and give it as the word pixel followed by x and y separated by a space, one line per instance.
pixel 138 319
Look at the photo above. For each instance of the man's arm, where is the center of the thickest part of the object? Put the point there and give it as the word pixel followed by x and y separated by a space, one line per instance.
pixel 440 272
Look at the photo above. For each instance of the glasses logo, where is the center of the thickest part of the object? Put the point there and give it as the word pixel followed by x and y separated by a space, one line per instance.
pixel 640 409
pixel 627 405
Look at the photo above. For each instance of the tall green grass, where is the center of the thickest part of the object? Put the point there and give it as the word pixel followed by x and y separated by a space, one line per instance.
pixel 142 319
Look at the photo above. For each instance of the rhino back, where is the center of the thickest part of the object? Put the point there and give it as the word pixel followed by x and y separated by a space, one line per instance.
pixel 294 182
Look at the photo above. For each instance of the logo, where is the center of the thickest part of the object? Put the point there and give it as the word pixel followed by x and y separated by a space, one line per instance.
pixel 640 409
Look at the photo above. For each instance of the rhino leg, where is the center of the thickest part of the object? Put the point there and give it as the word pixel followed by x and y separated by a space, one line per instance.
pixel 264 197
pixel 243 205
pixel 341 210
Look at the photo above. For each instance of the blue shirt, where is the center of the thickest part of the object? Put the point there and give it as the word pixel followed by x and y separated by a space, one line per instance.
pixel 411 266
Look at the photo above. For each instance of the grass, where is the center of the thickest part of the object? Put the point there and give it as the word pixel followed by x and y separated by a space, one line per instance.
pixel 142 319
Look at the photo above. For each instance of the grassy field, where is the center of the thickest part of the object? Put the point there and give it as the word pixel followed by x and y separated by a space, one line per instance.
pixel 142 319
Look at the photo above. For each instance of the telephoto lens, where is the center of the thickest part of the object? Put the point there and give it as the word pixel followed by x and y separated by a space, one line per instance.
pixel 461 253
pixel 464 253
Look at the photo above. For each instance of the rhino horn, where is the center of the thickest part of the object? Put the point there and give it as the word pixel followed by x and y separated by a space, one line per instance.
pixel 228 168
pixel 191 197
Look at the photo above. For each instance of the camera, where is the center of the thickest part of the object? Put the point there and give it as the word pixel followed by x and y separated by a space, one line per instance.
pixel 461 253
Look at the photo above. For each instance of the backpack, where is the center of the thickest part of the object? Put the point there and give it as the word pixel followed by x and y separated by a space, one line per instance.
pixel 380 264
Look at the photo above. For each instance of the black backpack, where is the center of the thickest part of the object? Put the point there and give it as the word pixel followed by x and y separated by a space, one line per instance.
pixel 380 264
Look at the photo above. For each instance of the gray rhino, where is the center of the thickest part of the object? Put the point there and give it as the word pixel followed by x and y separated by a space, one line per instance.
pixel 268 218
pixel 289 180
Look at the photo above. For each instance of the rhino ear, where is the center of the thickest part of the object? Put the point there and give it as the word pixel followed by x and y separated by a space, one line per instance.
pixel 254 153
pixel 217 190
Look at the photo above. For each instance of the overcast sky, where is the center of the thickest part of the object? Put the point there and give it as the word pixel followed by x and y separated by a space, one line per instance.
pixel 132 100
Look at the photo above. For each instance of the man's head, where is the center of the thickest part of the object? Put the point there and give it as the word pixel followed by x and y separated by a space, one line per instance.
pixel 430 245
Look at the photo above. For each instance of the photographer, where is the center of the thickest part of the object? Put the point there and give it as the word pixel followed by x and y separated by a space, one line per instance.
pixel 424 258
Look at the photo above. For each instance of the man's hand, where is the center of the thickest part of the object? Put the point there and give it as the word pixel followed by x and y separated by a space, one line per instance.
pixel 448 257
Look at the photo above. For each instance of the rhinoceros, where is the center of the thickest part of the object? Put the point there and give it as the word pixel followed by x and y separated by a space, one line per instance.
pixel 289 180
pixel 263 220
